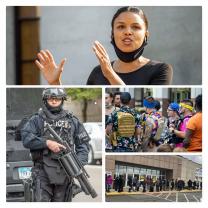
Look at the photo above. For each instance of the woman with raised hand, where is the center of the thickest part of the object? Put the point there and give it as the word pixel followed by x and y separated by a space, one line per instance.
pixel 129 37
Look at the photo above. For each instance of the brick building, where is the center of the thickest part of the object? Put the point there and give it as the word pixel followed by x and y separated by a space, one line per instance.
pixel 154 166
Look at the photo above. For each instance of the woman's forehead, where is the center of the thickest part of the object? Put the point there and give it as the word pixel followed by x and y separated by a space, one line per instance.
pixel 129 17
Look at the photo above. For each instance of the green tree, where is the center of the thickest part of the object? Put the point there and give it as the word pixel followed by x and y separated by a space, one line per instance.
pixel 84 95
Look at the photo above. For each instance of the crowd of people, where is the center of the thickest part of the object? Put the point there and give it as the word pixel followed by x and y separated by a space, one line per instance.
pixel 130 130
pixel 149 184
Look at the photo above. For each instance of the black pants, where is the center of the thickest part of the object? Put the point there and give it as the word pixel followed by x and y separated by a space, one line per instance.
pixel 151 188
pixel 46 192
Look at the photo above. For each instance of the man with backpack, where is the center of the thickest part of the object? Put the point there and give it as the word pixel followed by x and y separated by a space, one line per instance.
pixel 122 125
pixel 150 123
pixel 50 182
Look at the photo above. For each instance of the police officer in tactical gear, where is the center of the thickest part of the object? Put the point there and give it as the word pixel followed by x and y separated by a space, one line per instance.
pixel 50 183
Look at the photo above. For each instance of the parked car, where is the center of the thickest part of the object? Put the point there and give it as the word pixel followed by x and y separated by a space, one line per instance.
pixel 95 132
pixel 18 164
pixel 20 103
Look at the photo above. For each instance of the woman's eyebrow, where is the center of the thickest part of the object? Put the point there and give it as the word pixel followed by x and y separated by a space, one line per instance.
pixel 120 22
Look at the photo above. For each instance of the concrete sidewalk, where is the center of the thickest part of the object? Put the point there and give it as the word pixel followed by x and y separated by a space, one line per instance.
pixel 115 193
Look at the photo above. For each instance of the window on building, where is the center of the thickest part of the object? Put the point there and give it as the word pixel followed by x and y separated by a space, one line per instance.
pixel 130 170
pixel 149 171
pixel 136 170
pixel 143 171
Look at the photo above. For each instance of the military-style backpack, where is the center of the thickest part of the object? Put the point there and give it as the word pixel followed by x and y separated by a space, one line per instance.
pixel 126 124
pixel 162 124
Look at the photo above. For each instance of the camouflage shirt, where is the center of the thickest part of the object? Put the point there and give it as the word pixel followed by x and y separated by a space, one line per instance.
pixel 124 142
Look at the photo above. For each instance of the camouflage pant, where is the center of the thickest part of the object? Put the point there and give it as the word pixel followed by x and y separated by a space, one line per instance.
pixel 46 192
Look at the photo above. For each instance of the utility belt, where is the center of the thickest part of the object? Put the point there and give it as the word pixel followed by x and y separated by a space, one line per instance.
pixel 37 155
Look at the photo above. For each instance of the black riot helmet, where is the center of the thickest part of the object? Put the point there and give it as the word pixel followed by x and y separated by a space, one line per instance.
pixel 58 93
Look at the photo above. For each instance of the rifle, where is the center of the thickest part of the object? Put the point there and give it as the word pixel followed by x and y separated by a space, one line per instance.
pixel 72 166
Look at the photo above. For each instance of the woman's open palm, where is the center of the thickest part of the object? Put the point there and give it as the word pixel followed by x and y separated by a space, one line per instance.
pixel 46 64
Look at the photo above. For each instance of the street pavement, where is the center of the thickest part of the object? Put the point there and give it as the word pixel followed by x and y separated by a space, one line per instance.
pixel 167 196
pixel 95 172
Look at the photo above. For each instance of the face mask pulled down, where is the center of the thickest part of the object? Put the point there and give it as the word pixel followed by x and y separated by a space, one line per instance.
pixel 129 56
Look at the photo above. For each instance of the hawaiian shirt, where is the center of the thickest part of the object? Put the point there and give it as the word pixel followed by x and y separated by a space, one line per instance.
pixel 124 142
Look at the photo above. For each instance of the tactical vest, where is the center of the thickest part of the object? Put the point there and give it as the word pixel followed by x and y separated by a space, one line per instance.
pixel 51 165
pixel 126 124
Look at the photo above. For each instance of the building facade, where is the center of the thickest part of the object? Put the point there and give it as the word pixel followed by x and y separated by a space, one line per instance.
pixel 153 166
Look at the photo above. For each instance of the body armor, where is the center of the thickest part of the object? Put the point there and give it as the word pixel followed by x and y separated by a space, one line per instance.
pixel 51 165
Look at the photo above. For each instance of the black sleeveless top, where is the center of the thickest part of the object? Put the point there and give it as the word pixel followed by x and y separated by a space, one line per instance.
pixel 152 73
